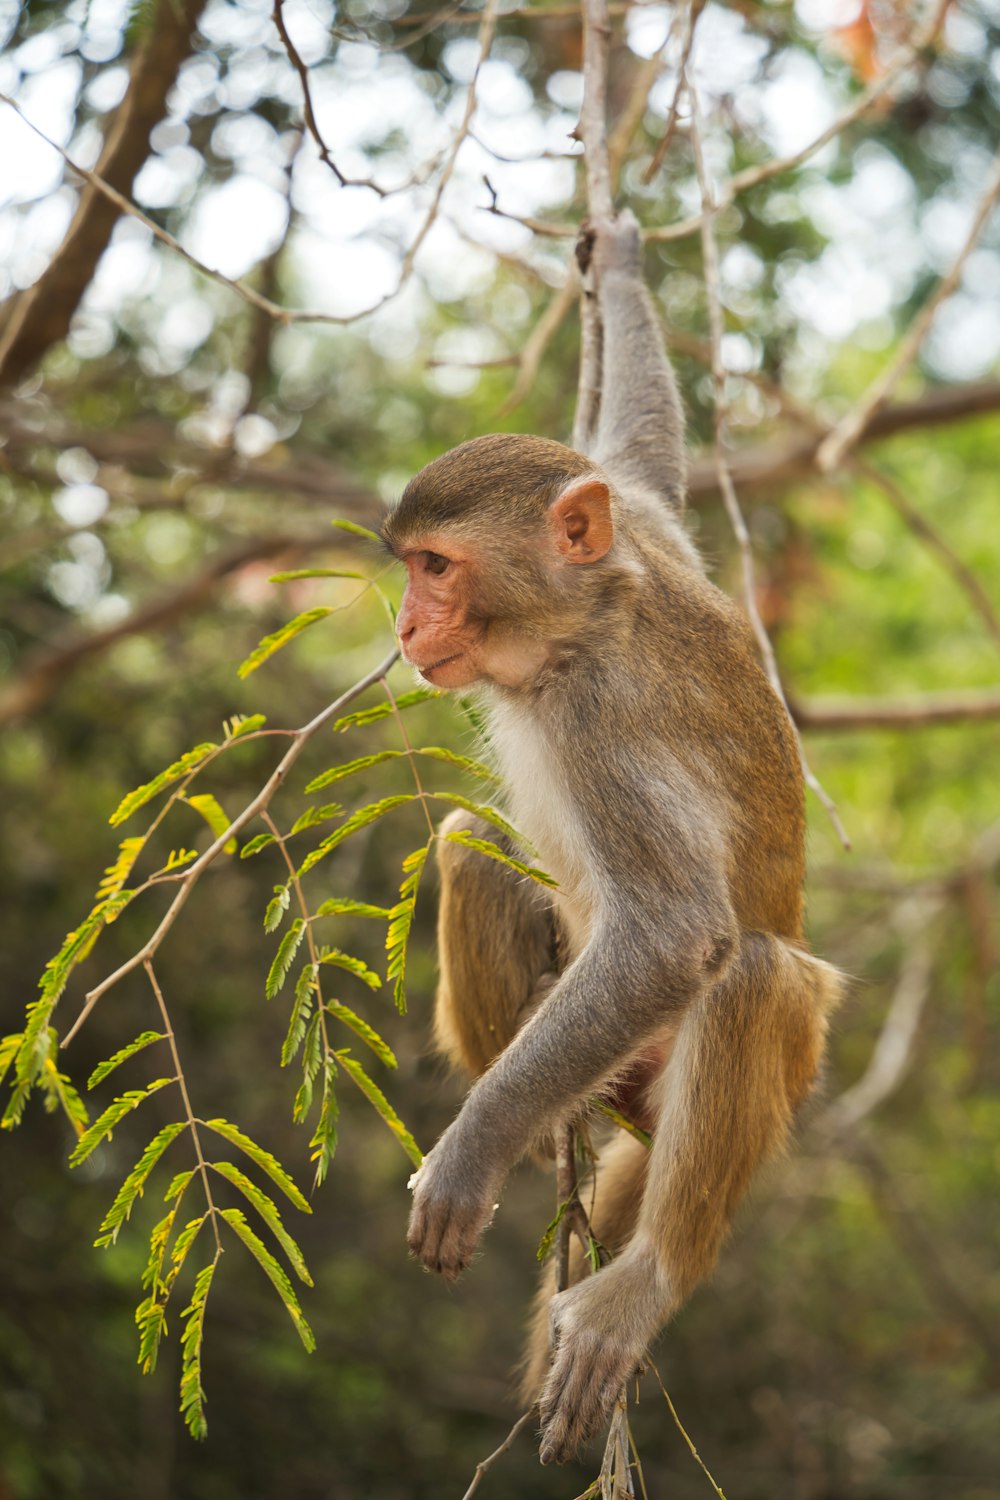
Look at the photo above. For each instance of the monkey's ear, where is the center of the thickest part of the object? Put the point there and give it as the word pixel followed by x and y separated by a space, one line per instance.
pixel 581 521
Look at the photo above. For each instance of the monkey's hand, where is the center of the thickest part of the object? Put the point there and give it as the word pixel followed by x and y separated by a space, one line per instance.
pixel 454 1196
pixel 600 1330
pixel 607 245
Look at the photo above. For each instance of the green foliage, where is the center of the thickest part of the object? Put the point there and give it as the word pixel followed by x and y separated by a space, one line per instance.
pixel 302 1010
pixel 323 1143
pixel 279 638
pixel 355 530
pixel 115 1112
pixel 355 966
pixel 296 573
pixel 276 907
pixel 338 906
pixel 262 1159
pixel 215 816
pixel 192 1393
pixel 118 872
pixel 493 851
pixel 623 1122
pixel 284 958
pixel 315 815
pixel 191 761
pixel 256 844
pixel 241 725
pixel 401 921
pixel 143 1040
pixel 358 820
pixel 268 1210
pixel 487 813
pixel 375 1097
pixel 237 1221
pixel 351 767
pixel 382 1050
pixel 383 710
pixel 134 1184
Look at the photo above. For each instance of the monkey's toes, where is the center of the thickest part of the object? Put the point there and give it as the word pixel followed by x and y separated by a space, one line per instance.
pixel 578 1400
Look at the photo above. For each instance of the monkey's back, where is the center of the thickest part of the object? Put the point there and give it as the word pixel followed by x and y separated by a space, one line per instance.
pixel 723 722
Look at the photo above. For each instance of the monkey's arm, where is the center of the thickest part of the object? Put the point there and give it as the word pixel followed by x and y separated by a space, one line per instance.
pixel 627 984
pixel 640 431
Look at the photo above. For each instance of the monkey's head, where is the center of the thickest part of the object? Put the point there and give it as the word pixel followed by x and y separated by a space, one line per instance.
pixel 496 537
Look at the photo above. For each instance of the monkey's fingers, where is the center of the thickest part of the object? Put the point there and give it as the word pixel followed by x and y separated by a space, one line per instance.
pixel 579 1397
pixel 443 1235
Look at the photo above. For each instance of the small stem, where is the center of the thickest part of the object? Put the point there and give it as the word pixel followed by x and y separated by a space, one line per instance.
pixel 189 1112
pixel 296 885
pixel 411 755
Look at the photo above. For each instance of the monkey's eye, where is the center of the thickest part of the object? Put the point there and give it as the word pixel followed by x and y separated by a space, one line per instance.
pixel 437 564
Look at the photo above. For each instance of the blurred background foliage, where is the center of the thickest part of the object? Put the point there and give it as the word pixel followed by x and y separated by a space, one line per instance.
pixel 171 447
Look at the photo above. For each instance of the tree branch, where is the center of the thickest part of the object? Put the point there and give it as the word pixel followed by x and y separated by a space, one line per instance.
pixel 895 713
pixel 42 315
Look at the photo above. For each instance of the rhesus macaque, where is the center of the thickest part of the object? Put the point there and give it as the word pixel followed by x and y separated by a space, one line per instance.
pixel 657 776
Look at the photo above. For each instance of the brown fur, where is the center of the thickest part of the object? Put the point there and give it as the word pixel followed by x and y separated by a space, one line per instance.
pixel 657 775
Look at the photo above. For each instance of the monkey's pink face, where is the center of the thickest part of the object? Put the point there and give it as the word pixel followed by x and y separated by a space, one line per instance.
pixel 437 632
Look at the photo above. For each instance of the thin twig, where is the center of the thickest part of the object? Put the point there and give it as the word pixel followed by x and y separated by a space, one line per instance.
pixel 712 287
pixel 540 337
pixel 683 1432
pixel 192 1119
pixel 256 805
pixel 847 432
pixel 895 713
pixel 508 1442
pixel 694 10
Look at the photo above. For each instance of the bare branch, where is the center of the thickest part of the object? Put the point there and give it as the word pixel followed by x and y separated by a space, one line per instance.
pixel 847 432
pixel 896 713
pixel 508 1442
pixel 694 10
pixel 42 315
pixel 540 337
pixel 712 286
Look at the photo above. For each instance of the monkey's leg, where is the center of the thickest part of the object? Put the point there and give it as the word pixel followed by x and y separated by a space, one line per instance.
pixel 746 1056
pixel 496 948
pixel 612 1208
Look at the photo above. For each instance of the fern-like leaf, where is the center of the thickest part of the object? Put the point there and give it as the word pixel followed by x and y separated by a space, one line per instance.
pixel 383 710
pixel 493 851
pixel 356 530
pixel 276 907
pixel 361 1028
pixel 352 767
pixel 256 844
pixel 215 815
pixel 358 820
pixel 190 761
pixel 284 958
pixel 302 1009
pixel 338 906
pixel 112 1116
pixel 296 573
pixel 375 1097
pixel 268 1210
pixel 243 724
pixel 143 1040
pixel 324 1138
pixel 237 1221
pixel 355 966
pixel 134 1184
pixel 279 638
pixel 397 937
pixel 192 1392
pixel 262 1159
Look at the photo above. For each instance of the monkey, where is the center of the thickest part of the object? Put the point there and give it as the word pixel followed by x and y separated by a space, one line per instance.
pixel 656 774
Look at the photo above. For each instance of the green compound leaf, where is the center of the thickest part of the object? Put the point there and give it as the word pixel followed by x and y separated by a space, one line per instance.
pixel 215 816
pixel 59 1091
pixel 241 724
pixel 356 530
pixel 488 814
pixel 375 1097
pixel 358 820
pixel 296 573
pixel 314 815
pixel 324 1139
pixel 355 966
pixel 340 906
pixel 548 1239
pixel 256 844
pixel 361 1028
pixel 145 793
pixel 237 1221
pixel 10 1046
pixel 262 1159
pixel 151 1321
pixel 115 1112
pixel 312 1053
pixel 134 1184
pixel 274 642
pixel 352 767
pixel 268 1211
pixel 493 851
pixel 192 1392
pixel 463 762
pixel 284 958
pixel 397 938
pixel 302 1010
pixel 116 874
pixel 144 1039
pixel 383 710
pixel 277 907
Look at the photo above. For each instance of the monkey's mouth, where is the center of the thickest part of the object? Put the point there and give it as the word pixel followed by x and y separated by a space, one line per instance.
pixel 437 665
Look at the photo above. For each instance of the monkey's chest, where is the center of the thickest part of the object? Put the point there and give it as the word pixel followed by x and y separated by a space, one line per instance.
pixel 543 810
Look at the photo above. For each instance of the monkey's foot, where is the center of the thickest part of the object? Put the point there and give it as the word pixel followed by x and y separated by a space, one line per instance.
pixel 451 1208
pixel 600 1329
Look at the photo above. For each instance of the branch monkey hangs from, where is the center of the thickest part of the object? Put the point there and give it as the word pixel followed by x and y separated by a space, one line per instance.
pixel 657 776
